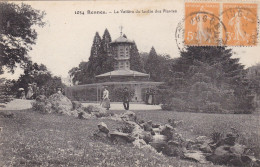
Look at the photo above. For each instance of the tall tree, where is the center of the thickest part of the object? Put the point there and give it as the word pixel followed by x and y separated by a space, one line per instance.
pixel 135 59
pixel 152 64
pixel 106 61
pixel 18 34
pixel 105 42
pixel 210 77
pixel 96 51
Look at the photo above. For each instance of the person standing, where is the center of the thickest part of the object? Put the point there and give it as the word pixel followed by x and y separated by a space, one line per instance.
pixel 153 97
pixel 126 96
pixel 146 96
pixel 29 92
pixel 106 101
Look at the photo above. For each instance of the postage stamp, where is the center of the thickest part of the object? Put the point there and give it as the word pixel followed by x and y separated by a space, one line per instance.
pixel 202 24
pixel 240 20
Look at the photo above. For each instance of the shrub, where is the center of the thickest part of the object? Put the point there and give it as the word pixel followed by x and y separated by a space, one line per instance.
pixel 42 104
pixel 212 107
pixel 175 104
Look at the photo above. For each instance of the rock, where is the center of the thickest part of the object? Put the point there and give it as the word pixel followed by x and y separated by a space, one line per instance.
pixel 41 98
pixel 101 135
pixel 73 113
pixel 121 137
pixel 86 116
pixel 157 130
pixel 173 150
pixel 91 109
pixel 222 150
pixel 174 143
pixel 159 138
pixel 237 149
pixel 60 103
pixel 6 114
pixel 230 139
pixel 202 139
pixel 103 127
pixel 139 143
pixel 167 131
pixel 196 156
pixel 235 161
pixel 221 155
pixel 129 116
pixel 156 126
pixel 148 126
pixel 76 105
pixel 205 148
pixel 159 146
pixel 137 131
pixel 147 137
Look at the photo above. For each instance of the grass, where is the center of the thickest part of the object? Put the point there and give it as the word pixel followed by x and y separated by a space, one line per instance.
pixel 34 139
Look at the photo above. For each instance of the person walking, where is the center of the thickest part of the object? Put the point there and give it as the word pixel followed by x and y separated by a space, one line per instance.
pixel 105 99
pixel 126 96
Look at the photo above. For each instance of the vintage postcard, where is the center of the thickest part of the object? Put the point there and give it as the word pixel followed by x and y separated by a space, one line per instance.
pixel 170 83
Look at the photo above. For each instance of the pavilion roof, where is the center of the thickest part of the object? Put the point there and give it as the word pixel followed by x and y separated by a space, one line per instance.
pixel 122 39
pixel 123 72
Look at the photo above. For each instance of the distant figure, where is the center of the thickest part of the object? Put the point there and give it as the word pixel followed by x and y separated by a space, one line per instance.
pixel 59 90
pixel 153 97
pixel 37 92
pixel 34 88
pixel 126 96
pixel 105 100
pixel 42 91
pixel 150 99
pixel 23 95
pixel 29 92
pixel 146 96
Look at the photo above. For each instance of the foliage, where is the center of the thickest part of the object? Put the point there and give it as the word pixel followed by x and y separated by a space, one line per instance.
pixel 158 66
pixel 210 80
pixel 6 94
pixel 38 74
pixel 17 33
pixel 135 59
pixel 117 93
pixel 100 61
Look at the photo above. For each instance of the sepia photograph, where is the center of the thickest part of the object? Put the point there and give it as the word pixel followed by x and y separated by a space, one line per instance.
pixel 138 83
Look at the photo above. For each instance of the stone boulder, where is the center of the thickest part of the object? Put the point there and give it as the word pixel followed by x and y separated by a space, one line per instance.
pixel 120 137
pixel 103 127
pixel 196 156
pixel 168 131
pixel 129 116
pixel 76 105
pixel 148 126
pixel 93 109
pixel 222 156
pixel 60 103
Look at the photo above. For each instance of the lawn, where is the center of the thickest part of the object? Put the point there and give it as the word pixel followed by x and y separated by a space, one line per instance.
pixel 34 139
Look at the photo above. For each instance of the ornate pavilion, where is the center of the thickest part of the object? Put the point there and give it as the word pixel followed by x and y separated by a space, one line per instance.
pixel 121 77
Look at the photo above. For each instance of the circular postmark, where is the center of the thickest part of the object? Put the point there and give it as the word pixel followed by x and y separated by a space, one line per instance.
pixel 241 24
pixel 200 29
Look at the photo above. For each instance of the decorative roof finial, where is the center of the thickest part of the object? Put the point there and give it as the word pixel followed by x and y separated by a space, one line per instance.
pixel 121 28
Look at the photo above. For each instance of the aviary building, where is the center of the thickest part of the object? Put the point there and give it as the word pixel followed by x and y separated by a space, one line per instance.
pixel 122 76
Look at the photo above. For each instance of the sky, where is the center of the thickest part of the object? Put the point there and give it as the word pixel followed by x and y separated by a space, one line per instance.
pixel 66 39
